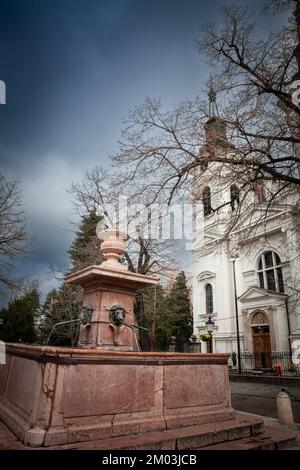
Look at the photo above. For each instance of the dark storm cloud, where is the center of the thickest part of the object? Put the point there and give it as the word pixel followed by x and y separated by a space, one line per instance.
pixel 72 69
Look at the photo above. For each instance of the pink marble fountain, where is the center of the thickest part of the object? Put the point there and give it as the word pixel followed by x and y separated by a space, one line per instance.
pixel 108 287
pixel 105 389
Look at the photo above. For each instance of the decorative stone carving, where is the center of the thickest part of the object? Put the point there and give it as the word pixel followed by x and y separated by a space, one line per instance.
pixel 113 247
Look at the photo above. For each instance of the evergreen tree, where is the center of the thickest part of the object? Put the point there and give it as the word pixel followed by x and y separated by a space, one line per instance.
pixel 168 315
pixel 159 319
pixel 165 320
pixel 64 304
pixel 85 249
pixel 19 318
pixel 180 307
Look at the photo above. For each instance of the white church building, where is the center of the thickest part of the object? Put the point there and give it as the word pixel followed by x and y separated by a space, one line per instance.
pixel 248 281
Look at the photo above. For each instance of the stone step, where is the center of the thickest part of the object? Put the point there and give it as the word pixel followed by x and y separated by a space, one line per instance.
pixel 244 433
pixel 274 438
pixel 8 441
pixel 186 438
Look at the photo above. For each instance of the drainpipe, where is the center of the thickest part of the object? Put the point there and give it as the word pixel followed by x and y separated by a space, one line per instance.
pixel 288 323
pixel 236 316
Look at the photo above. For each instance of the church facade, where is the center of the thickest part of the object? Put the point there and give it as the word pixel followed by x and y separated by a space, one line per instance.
pixel 245 261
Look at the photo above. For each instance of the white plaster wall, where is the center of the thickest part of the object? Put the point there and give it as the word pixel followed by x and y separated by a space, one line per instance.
pixel 282 235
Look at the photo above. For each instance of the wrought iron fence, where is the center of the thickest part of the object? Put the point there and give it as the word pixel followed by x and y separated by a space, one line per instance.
pixel 274 363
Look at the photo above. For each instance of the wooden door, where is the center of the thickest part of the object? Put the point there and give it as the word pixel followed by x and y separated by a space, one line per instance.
pixel 261 346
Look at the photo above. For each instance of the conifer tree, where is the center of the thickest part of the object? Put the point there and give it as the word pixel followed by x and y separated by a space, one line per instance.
pixel 158 318
pixel 168 315
pixel 179 306
pixel 65 303
pixel 85 249
pixel 19 318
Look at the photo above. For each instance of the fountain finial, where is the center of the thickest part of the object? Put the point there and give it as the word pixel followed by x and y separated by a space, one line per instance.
pixel 113 247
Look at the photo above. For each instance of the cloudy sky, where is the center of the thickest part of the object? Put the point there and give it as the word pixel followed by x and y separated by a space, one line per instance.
pixel 73 69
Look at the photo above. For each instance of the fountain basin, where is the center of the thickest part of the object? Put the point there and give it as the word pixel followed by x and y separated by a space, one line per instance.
pixel 51 396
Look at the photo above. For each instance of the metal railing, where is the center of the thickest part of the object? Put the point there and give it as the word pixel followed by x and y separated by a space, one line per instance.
pixel 273 363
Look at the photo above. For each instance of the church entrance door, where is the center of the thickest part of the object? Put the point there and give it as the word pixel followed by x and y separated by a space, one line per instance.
pixel 261 340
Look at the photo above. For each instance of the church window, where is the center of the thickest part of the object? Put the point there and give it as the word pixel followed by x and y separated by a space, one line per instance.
pixel 234 197
pixel 260 192
pixel 206 197
pixel 259 318
pixel 270 272
pixel 209 298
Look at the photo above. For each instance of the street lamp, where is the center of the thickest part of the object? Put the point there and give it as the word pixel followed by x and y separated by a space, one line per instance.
pixel 210 326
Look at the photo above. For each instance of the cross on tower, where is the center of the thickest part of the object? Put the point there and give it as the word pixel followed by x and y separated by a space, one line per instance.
pixel 212 102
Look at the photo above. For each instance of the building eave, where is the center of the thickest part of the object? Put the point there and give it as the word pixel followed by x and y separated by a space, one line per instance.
pixel 261 293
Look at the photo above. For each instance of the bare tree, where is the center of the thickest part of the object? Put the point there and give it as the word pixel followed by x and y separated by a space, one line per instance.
pixel 252 136
pixel 12 227
pixel 144 255
pixel 61 310
pixel 100 190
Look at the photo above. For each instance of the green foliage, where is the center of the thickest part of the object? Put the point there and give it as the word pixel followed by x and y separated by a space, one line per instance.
pixel 65 303
pixel 19 318
pixel 205 337
pixel 168 314
pixel 85 249
pixel 158 318
pixel 152 312
pixel 179 303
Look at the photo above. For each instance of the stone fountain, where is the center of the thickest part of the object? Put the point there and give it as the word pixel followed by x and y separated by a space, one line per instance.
pixel 109 292
pixel 108 392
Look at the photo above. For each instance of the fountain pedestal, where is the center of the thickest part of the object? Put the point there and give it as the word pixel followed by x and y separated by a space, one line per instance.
pixel 105 287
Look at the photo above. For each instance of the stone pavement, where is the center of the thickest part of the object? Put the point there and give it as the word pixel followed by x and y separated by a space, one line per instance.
pixel 294 428
pixel 260 399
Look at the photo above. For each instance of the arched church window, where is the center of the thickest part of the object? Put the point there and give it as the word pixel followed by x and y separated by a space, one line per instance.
pixel 259 318
pixel 234 197
pixel 209 298
pixel 206 197
pixel 270 272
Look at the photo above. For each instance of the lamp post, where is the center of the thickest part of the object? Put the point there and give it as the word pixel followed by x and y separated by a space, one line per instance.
pixel 210 326
pixel 233 260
